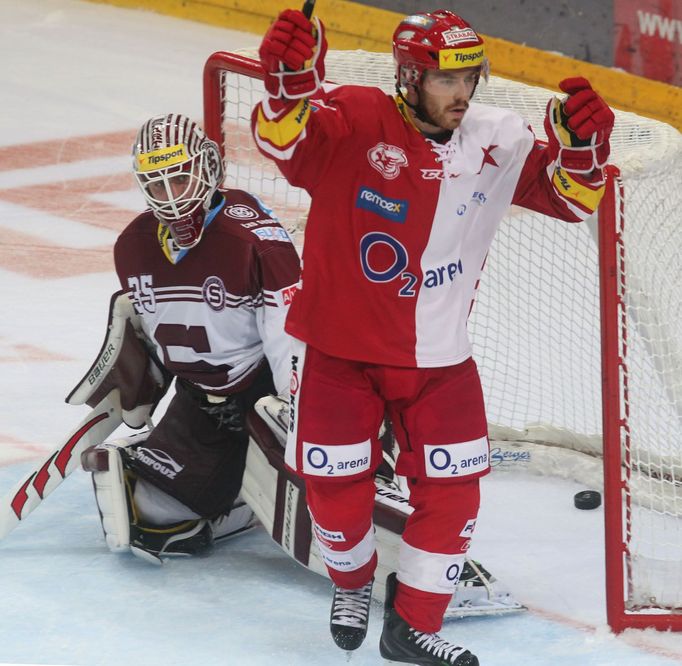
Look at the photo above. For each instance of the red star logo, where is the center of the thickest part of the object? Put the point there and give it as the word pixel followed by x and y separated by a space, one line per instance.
pixel 487 157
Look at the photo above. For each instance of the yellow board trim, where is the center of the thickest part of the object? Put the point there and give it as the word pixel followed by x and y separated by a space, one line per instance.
pixel 351 25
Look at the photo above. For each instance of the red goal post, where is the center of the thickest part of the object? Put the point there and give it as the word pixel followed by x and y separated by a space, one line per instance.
pixel 577 329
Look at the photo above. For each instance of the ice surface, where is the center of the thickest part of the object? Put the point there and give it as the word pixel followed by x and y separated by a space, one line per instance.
pixel 72 70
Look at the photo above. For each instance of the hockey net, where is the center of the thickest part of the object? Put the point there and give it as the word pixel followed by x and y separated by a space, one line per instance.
pixel 577 329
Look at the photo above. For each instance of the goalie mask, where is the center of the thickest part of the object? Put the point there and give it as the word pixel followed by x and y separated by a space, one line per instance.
pixel 178 170
pixel 436 40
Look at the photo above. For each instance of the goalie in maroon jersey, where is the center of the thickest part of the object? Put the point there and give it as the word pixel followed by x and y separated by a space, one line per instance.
pixel 407 194
pixel 206 275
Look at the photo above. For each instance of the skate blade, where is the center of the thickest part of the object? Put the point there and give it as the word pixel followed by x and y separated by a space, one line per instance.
pixel 483 611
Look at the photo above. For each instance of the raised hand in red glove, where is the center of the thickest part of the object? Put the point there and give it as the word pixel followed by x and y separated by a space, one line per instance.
pixel 288 45
pixel 578 128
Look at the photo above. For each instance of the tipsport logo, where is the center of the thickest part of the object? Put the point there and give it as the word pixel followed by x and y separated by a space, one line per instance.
pixel 162 158
pixel 460 58
pixel 394 210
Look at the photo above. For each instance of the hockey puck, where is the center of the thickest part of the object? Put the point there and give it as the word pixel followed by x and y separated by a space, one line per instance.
pixel 587 499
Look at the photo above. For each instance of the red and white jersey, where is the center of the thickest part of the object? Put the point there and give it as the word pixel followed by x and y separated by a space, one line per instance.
pixel 400 226
pixel 214 311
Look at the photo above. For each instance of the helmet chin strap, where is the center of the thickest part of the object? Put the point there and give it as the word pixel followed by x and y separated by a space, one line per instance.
pixel 418 108
pixel 420 112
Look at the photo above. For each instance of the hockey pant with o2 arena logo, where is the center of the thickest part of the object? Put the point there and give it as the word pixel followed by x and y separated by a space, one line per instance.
pixel 277 497
pixel 440 426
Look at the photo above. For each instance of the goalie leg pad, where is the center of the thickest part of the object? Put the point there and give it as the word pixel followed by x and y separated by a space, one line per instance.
pixel 113 489
pixel 240 519
pixel 171 529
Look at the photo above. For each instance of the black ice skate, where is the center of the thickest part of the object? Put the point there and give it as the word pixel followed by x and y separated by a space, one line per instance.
pixel 350 615
pixel 403 644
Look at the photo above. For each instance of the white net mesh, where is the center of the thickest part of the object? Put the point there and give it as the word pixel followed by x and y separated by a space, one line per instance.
pixel 536 323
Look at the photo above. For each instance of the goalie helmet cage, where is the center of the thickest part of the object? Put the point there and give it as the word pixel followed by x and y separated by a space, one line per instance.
pixel 576 328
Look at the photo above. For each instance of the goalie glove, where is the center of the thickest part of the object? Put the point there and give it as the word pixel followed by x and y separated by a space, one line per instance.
pixel 578 127
pixel 292 55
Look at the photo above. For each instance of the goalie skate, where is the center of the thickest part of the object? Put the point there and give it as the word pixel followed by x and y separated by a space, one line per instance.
pixel 277 497
pixel 480 593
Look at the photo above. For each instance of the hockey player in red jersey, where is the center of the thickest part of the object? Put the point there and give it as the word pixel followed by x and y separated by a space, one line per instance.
pixel 207 276
pixel 407 193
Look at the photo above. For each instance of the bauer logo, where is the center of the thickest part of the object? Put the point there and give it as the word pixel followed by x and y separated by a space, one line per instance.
pixel 340 460
pixel 394 210
pixel 456 460
pixel 102 364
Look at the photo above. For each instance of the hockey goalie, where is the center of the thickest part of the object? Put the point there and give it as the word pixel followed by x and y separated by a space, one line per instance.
pixel 271 496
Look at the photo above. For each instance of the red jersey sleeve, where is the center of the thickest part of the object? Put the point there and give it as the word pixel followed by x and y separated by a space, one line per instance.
pixel 546 188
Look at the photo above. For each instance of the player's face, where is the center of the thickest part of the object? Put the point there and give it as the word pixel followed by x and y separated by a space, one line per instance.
pixel 178 185
pixel 445 95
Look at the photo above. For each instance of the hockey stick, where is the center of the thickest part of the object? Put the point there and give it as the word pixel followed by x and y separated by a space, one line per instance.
pixel 32 490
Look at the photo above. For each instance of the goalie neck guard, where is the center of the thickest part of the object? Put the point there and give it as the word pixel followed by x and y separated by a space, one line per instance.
pixel 178 170
pixel 435 40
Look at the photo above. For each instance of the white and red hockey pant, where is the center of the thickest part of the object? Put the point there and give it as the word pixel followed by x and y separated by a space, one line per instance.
pixel 438 415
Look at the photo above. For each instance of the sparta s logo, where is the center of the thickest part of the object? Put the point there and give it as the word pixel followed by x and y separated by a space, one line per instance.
pixel 387 159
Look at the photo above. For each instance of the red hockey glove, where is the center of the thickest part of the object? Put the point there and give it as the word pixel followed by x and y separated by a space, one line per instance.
pixel 578 128
pixel 292 55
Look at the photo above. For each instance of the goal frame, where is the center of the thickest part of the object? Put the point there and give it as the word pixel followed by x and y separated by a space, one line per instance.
pixel 614 370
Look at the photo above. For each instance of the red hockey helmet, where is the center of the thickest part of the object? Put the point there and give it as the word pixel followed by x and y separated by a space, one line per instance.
pixel 436 40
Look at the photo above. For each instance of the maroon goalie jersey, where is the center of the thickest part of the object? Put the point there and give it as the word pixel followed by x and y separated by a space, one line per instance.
pixel 215 311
